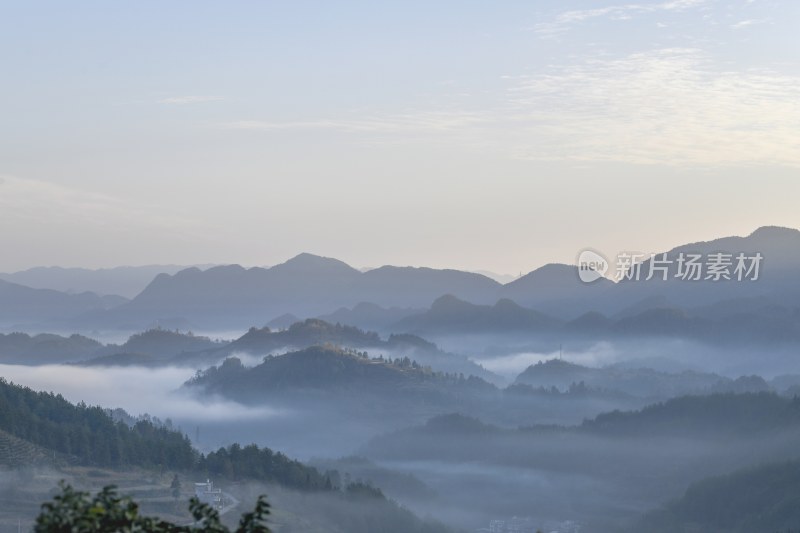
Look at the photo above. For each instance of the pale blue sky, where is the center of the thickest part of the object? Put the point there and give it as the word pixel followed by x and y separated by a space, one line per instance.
pixel 480 135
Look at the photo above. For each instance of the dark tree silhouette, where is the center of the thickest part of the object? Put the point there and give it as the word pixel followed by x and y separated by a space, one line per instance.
pixel 73 510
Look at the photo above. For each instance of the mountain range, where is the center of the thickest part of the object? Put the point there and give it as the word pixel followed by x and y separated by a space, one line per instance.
pixel 21 306
pixel 160 347
pixel 308 286
pixel 384 298
pixel 125 281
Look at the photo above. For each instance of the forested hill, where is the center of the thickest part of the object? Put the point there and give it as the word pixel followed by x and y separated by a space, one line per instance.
pixel 33 425
pixel 302 334
pixel 717 418
pixel 89 435
pixel 44 428
pixel 152 346
pixel 314 332
pixel 262 464
pixel 21 348
pixel 762 498
pixel 641 382
pixel 328 368
pixel 719 414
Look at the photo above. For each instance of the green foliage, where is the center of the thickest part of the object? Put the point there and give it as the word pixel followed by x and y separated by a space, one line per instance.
pixel 73 510
pixel 45 348
pixel 361 490
pixel 262 464
pixel 89 434
pixel 328 367
pixel 163 343
pixel 93 437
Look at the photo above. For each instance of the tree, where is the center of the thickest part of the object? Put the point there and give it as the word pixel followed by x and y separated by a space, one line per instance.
pixel 73 510
pixel 176 487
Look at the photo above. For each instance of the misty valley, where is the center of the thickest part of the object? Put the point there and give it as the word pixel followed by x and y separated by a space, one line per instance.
pixel 400 266
pixel 405 399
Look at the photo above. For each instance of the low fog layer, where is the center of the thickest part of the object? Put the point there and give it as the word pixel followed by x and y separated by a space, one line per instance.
pixel 509 355
pixel 555 473
pixel 136 390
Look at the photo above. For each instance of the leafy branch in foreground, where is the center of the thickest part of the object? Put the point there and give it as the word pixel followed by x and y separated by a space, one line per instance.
pixel 74 510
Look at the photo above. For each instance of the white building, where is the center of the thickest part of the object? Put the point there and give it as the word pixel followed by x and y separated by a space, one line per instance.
pixel 206 493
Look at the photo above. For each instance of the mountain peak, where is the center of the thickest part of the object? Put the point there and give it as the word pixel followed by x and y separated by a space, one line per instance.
pixel 449 302
pixel 551 272
pixel 310 263
pixel 773 232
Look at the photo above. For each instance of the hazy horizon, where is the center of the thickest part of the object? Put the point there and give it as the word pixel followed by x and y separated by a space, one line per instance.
pixel 500 277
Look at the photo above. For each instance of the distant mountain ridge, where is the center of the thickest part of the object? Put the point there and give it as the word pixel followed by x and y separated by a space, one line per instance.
pixel 44 348
pixel 154 346
pixel 308 285
pixel 452 314
pixel 370 316
pixel 125 281
pixel 449 315
pixel 21 305
pixel 642 382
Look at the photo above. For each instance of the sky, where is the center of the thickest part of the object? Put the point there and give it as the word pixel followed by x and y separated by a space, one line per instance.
pixel 491 135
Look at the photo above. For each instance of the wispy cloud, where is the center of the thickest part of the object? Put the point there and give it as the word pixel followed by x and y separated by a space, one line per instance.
pixel 615 12
pixel 184 100
pixel 670 106
pixel 135 389
pixel 747 23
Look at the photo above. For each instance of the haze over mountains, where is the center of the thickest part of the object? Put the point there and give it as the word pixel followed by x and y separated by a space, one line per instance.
pixel 393 298
pixel 125 281
pixel 612 466
pixel 20 305
pixel 384 267
pixel 446 384
pixel 306 285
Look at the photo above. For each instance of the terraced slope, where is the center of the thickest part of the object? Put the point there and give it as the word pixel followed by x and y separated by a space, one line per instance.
pixel 16 452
